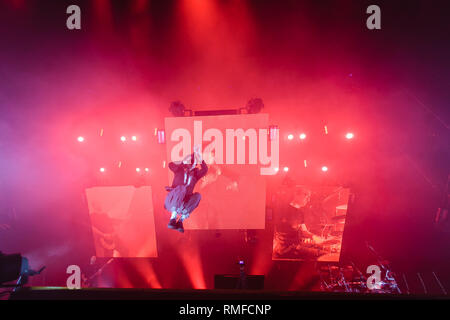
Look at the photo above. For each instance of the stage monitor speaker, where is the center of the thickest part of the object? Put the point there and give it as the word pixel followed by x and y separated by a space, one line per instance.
pixel 231 281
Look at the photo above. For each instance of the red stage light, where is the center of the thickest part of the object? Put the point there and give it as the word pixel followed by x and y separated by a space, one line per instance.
pixel 303 136
pixel 123 138
pixel 161 137
pixel 286 169
pixel 102 170
pixel 273 132
pixel 138 169
pixel 147 170
pixel 290 137
pixel 134 138
pixel 276 169
pixel 349 135
pixel 80 139
pixel 324 169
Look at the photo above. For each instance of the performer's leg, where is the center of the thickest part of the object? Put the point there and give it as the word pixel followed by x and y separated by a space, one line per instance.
pixel 173 221
pixel 173 203
pixel 169 206
pixel 190 205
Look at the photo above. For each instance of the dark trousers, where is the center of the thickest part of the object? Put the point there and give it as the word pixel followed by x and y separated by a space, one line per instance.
pixel 190 203
pixel 177 200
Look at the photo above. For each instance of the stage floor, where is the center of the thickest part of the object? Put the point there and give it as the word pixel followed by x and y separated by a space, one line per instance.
pixel 56 293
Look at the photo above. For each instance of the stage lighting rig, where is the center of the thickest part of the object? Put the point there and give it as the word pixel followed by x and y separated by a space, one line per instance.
pixel 273 132
pixel 161 136
pixel 177 109
pixel 254 105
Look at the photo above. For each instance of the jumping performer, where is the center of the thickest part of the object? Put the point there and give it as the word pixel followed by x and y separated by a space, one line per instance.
pixel 181 199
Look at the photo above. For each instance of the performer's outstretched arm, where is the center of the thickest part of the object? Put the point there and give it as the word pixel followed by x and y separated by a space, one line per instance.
pixel 203 171
pixel 174 166
pixel 204 168
pixel 177 165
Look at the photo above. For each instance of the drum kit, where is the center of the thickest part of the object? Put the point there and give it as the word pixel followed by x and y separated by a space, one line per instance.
pixel 345 279
pixel 331 237
pixel 349 279
pixel 341 279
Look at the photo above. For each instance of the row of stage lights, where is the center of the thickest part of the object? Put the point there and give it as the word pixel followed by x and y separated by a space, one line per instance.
pixel 138 170
pixel 122 138
pixel 286 169
pixel 142 171
pixel 161 139
pixel 302 136
pixel 159 133
pixel 147 170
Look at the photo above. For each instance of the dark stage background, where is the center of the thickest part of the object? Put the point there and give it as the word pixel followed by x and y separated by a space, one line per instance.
pixel 313 64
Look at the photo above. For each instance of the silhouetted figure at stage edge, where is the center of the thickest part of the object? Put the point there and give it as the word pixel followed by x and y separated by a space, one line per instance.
pixel 182 200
